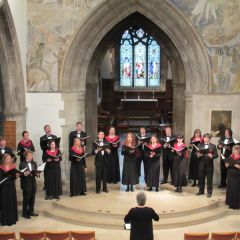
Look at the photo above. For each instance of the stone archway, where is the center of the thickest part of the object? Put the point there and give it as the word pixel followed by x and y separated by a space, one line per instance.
pixel 12 80
pixel 84 55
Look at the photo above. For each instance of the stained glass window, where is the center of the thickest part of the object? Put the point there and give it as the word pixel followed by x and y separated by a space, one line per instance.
pixel 153 64
pixel 126 59
pixel 139 59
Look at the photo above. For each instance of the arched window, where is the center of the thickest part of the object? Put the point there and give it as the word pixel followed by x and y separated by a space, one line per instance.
pixel 139 59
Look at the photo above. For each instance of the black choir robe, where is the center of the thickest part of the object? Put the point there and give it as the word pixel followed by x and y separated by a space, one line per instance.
pixel 153 165
pixel 226 152
pixel 206 168
pixel 77 172
pixel 179 166
pixel 167 157
pixel 43 145
pixel 23 146
pixel 101 163
pixel 8 200
pixel 113 169
pixel 75 134
pixel 53 181
pixel 194 162
pixel 130 174
pixel 29 187
pixel 142 139
pixel 233 182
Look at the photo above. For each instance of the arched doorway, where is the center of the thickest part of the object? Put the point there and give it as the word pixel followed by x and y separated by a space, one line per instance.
pixel 146 105
pixel 12 87
pixel 79 78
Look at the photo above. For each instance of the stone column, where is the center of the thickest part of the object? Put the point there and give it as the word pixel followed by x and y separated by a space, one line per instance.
pixel 91 112
pixel 188 116
pixel 179 107
pixel 74 110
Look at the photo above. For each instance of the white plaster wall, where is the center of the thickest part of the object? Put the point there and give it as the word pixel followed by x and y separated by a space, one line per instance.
pixel 43 108
pixel 19 13
pixel 201 118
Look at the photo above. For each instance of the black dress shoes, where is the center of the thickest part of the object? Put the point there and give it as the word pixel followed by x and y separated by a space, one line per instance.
pixel 34 214
pixel 200 193
pixel 105 190
pixel 26 216
pixel 164 182
pixel 98 192
pixel 150 189
pixel 209 195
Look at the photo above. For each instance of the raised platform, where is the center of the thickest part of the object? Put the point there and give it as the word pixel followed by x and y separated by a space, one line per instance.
pixel 108 210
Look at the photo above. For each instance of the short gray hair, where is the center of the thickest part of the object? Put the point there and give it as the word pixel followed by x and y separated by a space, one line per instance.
pixel 141 198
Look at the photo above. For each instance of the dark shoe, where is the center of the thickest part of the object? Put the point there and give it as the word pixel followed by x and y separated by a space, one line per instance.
pixel 71 195
pixel 163 182
pixel 177 190
pixel 209 195
pixel 82 194
pixel 157 189
pixel 105 190
pixel 98 192
pixel 56 197
pixel 221 186
pixel 150 189
pixel 171 183
pixel 200 193
pixel 50 197
pixel 194 185
pixel 26 216
pixel 180 190
pixel 34 214
pixel 132 190
pixel 47 198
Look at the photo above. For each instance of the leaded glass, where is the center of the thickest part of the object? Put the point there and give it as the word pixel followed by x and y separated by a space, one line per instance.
pixel 140 65
pixel 153 64
pixel 126 60
pixel 139 59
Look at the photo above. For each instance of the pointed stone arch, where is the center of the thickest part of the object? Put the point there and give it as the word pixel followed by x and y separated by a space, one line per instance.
pixel 12 80
pixel 86 51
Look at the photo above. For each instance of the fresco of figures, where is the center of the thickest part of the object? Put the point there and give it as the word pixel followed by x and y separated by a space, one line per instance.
pixel 53 23
pixel 217 21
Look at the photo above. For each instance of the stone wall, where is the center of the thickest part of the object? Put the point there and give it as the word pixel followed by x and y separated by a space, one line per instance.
pixel 64 52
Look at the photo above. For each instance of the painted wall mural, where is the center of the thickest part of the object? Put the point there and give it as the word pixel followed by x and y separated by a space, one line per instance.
pixel 52 24
pixel 217 21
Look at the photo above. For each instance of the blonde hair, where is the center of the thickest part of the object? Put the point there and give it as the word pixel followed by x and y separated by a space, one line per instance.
pixel 3 160
pixel 235 147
